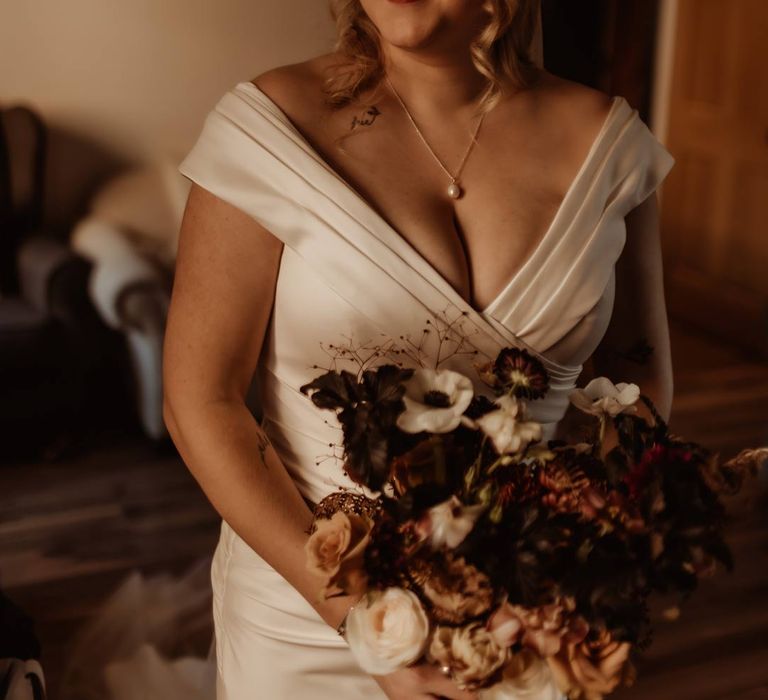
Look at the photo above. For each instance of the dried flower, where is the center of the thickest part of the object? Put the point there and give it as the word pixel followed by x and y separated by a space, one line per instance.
pixel 591 668
pixel 515 371
pixel 564 483
pixel 470 652
pixel 517 483
pixel 641 473
pixel 457 590
pixel 729 478
pixel 543 628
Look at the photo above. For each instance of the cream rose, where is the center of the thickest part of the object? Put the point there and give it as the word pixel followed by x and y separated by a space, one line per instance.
pixel 470 652
pixel 526 677
pixel 336 549
pixel 387 630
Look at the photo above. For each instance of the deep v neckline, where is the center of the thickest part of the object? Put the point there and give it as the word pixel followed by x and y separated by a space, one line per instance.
pixel 445 286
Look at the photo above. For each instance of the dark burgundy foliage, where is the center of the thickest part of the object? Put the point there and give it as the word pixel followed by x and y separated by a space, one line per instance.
pixel 367 410
pixel 385 558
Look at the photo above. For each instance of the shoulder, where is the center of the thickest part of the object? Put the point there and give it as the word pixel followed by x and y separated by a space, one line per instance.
pixel 562 95
pixel 297 87
pixel 567 115
pixel 580 109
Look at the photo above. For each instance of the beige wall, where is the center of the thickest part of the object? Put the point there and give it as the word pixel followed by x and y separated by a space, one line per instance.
pixel 138 75
pixel 131 80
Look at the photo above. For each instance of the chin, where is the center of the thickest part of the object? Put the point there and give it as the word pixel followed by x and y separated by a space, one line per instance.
pixel 405 25
pixel 421 23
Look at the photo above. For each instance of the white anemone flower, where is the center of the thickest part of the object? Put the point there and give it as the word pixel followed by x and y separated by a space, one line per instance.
pixel 602 397
pixel 506 427
pixel 434 401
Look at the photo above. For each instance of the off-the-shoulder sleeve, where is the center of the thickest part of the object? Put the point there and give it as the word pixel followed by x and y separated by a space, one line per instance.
pixel 641 165
pixel 219 159
pixel 244 155
pixel 206 153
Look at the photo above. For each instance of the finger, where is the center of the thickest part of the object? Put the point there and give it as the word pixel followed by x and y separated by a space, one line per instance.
pixel 438 683
pixel 448 690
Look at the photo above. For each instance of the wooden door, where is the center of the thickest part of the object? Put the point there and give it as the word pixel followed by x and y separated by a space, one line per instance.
pixel 715 200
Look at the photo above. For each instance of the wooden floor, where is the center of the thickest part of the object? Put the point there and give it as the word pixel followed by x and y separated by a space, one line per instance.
pixel 71 530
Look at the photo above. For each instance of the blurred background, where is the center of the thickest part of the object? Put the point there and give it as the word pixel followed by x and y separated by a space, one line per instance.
pixel 99 102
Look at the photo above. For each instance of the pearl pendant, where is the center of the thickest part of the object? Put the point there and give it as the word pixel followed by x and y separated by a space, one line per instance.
pixel 454 191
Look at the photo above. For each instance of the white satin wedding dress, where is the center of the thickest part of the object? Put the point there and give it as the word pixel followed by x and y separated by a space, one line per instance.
pixel 346 274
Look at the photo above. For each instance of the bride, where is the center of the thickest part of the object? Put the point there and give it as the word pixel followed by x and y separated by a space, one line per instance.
pixel 427 166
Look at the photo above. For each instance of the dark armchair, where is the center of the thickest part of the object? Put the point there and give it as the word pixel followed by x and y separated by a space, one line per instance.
pixel 49 329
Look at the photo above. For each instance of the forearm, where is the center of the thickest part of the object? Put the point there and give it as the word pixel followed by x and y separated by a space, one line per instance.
pixel 234 463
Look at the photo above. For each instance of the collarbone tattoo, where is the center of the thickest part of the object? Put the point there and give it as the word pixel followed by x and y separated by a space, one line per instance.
pixel 366 118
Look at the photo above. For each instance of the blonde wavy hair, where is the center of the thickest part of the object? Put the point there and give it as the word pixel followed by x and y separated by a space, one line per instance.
pixel 501 51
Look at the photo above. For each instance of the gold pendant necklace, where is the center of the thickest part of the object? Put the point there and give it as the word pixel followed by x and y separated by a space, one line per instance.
pixel 454 190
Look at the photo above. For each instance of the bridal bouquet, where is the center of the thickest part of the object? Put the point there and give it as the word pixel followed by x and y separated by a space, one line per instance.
pixel 521 569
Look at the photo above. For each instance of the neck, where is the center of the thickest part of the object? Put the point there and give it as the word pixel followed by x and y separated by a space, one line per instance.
pixel 434 83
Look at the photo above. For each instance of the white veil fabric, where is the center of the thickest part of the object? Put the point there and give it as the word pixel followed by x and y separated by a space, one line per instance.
pixel 136 647
pixel 144 642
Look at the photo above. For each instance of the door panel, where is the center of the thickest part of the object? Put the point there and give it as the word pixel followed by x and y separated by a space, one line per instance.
pixel 715 203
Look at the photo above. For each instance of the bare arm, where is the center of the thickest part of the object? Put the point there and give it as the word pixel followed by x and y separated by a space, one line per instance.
pixel 222 299
pixel 636 346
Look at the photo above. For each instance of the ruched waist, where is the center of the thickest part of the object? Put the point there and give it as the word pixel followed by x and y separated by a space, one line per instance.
pixel 309 439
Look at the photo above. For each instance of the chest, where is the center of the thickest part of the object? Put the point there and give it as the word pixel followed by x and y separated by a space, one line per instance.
pixel 513 183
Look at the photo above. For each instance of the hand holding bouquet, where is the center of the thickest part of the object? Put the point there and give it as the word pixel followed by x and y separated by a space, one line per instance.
pixel 521 569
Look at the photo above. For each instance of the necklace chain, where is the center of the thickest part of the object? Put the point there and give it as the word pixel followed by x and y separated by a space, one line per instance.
pixel 453 190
